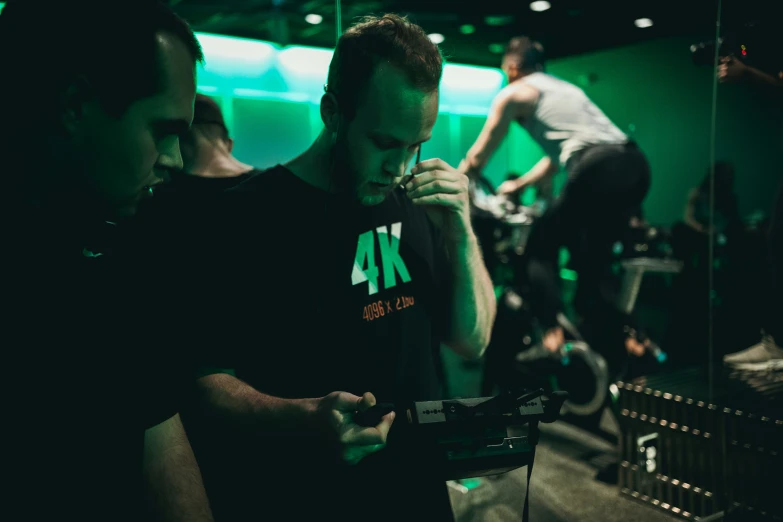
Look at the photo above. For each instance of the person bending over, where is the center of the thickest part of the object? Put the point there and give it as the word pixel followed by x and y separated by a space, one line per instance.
pixel 93 112
pixel 608 179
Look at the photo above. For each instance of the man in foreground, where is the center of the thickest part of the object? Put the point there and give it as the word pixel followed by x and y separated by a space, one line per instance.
pixel 353 290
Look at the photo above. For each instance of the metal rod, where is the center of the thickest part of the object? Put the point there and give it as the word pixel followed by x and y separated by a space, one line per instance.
pixel 338 14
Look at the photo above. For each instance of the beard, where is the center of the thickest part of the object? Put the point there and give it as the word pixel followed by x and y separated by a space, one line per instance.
pixel 346 178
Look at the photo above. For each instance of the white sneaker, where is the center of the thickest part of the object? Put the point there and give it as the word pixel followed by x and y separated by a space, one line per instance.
pixel 765 355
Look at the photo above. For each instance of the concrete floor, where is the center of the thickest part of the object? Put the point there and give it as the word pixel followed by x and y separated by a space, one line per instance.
pixel 563 486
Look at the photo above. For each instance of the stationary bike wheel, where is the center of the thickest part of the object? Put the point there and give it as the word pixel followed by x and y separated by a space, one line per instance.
pixel 585 376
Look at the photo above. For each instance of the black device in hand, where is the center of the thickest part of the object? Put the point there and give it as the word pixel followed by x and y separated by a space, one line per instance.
pixel 372 416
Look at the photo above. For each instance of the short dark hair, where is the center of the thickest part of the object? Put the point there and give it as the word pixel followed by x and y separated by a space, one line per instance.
pixel 389 38
pixel 208 116
pixel 214 132
pixel 109 43
pixel 527 53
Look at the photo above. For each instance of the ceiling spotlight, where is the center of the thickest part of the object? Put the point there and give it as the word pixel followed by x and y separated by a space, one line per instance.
pixel 436 38
pixel 314 19
pixel 497 48
pixel 467 29
pixel 643 23
pixel 540 6
pixel 498 21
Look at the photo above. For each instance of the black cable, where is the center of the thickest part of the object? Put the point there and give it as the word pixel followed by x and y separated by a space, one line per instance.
pixel 526 507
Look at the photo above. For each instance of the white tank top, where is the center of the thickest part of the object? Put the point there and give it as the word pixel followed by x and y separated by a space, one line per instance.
pixel 565 121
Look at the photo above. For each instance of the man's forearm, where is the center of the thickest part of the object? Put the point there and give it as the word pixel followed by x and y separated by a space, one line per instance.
pixel 173 477
pixel 471 166
pixel 543 168
pixel 472 300
pixel 227 399
pixel 763 78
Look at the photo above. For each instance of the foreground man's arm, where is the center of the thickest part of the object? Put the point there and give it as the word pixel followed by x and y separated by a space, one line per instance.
pixel 173 476
pixel 234 403
pixel 443 191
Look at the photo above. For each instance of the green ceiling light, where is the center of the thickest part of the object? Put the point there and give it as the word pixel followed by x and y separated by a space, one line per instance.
pixel 436 38
pixel 467 29
pixel 2 4
pixel 497 48
pixel 498 21
pixel 540 6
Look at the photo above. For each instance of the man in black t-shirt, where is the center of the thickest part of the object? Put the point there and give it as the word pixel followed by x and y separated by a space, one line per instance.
pixel 347 297
pixel 90 425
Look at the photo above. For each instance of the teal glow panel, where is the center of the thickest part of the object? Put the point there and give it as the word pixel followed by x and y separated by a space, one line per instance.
pixel 469 90
pixel 255 69
pixel 270 96
pixel 267 132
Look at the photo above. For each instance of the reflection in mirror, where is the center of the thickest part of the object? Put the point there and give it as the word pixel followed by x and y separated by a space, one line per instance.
pixel 747 239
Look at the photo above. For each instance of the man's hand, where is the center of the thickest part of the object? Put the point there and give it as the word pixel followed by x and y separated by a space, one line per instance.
pixel 443 191
pixel 635 348
pixel 553 339
pixel 356 442
pixel 466 169
pixel 508 187
pixel 731 70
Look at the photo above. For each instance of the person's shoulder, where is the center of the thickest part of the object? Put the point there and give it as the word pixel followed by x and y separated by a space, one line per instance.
pixel 257 179
pixel 261 195
pixel 272 184
pixel 517 93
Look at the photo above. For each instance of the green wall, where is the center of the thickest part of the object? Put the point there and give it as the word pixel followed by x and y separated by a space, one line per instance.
pixel 651 90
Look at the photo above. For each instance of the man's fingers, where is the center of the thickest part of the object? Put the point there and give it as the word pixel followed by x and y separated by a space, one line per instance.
pixel 385 425
pixel 346 402
pixel 359 436
pixel 364 437
pixel 505 188
pixel 366 402
pixel 453 201
pixel 436 186
pixel 430 176
pixel 430 164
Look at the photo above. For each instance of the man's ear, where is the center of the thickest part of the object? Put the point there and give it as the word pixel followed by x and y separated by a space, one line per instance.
pixel 230 145
pixel 78 93
pixel 330 112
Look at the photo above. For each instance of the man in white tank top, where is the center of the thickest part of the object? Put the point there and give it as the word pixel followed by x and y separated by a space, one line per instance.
pixel 608 180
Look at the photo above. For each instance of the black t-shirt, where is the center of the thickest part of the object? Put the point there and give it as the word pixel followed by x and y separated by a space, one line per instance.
pixel 192 185
pixel 337 297
pixel 82 378
pixel 186 194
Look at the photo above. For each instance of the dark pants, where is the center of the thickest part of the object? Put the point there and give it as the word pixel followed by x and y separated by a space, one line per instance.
pixel 774 312
pixel 606 187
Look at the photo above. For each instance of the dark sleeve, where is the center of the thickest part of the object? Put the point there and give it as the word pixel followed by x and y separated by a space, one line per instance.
pixel 202 318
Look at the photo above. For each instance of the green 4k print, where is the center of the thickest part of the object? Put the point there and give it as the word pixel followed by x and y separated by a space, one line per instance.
pixel 364 267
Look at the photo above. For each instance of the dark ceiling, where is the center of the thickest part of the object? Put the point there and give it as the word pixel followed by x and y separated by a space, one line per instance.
pixel 569 27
